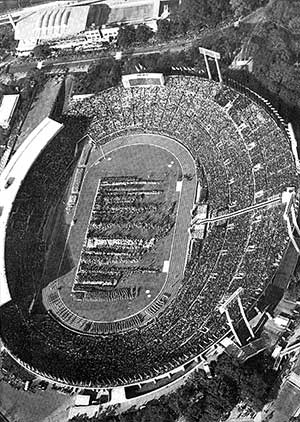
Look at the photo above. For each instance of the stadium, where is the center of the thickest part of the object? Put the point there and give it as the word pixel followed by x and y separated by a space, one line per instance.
pixel 131 227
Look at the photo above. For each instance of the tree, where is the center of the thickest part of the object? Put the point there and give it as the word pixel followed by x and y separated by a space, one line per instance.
pixel 163 29
pixel 143 33
pixel 240 7
pixel 126 36
pixel 179 23
pixel 7 42
pixel 41 51
pixel 196 12
pixel 208 400
pixel 294 24
pixel 203 13
pixel 115 73
pixel 100 76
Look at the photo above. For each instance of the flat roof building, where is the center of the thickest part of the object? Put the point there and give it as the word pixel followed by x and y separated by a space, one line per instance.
pixel 117 12
pixel 7 109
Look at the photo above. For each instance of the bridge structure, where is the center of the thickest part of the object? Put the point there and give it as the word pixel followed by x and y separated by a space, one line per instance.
pixel 290 349
pixel 275 200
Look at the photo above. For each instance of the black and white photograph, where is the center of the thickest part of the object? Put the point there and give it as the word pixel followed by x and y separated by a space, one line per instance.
pixel 149 211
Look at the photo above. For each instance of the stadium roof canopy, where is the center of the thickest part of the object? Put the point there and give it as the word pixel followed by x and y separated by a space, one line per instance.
pixel 11 179
pixel 47 24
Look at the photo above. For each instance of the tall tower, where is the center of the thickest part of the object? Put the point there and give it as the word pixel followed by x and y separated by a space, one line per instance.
pixel 289 198
pixel 224 308
pixel 214 55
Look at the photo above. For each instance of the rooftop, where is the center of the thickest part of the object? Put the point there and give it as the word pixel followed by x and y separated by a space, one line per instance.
pixel 47 24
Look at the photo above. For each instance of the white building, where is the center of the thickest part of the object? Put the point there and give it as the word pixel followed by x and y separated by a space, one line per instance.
pixel 7 109
pixel 80 25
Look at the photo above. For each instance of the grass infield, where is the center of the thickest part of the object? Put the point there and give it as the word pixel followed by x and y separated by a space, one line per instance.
pixel 145 156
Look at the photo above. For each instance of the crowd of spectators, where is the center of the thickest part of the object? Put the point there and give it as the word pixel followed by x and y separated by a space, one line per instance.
pixel 242 152
pixel 234 132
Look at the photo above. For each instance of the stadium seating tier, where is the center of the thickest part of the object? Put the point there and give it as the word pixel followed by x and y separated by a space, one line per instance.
pixel 246 159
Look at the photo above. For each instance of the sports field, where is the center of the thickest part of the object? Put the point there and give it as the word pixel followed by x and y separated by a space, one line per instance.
pixel 147 157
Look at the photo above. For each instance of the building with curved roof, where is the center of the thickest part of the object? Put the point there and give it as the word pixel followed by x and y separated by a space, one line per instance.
pixel 58 23
pixel 51 24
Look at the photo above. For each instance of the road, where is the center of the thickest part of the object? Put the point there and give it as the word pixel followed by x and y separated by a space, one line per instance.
pixel 173 46
pixel 3 418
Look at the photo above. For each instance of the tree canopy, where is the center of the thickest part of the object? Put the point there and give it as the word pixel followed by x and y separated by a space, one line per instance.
pixel 41 51
pixel 242 7
pixel 207 400
pixel 100 76
pixel 7 41
pixel 126 36
pixel 143 33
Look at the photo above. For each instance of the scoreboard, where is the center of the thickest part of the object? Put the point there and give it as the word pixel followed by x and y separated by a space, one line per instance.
pixel 143 79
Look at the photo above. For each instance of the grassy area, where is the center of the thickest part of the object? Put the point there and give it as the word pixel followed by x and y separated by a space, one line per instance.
pixel 42 406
